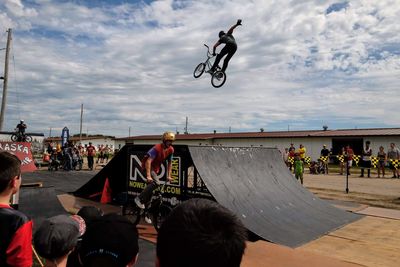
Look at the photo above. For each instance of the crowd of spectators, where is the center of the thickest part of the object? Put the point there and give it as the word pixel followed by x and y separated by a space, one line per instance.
pixel 71 156
pixel 346 159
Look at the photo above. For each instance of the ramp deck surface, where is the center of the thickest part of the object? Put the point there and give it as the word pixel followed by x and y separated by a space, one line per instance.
pixel 256 185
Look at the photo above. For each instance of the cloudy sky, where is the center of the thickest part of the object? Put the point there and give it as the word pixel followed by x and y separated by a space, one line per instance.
pixel 299 65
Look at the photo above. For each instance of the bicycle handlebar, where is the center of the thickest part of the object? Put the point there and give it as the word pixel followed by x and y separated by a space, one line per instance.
pixel 209 54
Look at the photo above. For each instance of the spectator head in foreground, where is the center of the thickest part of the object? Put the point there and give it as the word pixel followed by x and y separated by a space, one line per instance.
pixel 10 174
pixel 200 233
pixel 57 237
pixel 111 240
pixel 90 213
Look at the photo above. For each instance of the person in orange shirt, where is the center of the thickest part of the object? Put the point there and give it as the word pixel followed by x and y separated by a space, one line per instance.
pixel 151 165
pixel 302 152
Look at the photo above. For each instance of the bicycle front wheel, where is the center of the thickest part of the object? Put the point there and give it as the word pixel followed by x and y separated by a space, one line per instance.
pixel 132 213
pixel 218 79
pixel 28 138
pixel 199 70
pixel 159 215
pixel 14 137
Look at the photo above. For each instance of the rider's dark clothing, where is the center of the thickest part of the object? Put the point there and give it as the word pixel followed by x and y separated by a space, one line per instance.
pixel 21 128
pixel 229 50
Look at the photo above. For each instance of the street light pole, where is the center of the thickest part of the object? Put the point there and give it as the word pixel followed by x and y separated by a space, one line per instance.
pixel 5 82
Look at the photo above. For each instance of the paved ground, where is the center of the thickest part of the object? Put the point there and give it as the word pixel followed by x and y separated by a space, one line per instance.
pixel 372 241
pixel 378 192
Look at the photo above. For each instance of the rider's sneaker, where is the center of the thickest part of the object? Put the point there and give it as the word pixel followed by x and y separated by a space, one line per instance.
pixel 147 219
pixel 139 203
pixel 220 75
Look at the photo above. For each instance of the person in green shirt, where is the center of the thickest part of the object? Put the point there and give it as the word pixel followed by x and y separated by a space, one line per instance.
pixel 298 168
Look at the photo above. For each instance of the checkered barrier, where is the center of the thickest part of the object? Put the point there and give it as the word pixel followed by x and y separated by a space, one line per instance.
pixel 306 160
pixel 340 158
pixel 374 162
pixel 395 163
pixel 356 159
pixel 324 159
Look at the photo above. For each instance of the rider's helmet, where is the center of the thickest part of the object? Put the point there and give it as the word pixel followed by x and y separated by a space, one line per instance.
pixel 221 33
pixel 22 121
pixel 168 136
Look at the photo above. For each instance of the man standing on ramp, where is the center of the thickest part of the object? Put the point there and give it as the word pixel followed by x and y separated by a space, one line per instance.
pixel 229 48
pixel 152 162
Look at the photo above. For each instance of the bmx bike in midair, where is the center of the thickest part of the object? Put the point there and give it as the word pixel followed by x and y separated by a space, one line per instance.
pixel 218 77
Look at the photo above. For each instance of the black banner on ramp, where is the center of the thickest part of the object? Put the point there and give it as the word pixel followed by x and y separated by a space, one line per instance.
pixel 256 185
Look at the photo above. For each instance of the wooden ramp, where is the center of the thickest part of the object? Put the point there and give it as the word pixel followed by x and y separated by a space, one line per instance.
pixel 262 254
pixel 371 241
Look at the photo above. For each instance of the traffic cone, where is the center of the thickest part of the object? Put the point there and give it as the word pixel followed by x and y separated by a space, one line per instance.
pixel 107 192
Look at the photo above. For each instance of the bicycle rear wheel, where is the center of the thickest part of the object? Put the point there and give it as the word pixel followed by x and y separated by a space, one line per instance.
pixel 218 79
pixel 159 215
pixel 199 70
pixel 132 213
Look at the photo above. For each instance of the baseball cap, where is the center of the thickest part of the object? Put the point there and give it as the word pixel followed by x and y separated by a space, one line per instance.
pixel 58 235
pixel 111 238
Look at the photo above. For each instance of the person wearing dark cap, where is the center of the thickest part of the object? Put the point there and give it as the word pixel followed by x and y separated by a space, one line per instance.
pixel 204 233
pixel 110 241
pixel 15 227
pixel 325 158
pixel 90 213
pixel 57 237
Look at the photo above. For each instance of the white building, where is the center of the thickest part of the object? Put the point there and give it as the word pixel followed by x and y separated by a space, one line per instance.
pixel 312 140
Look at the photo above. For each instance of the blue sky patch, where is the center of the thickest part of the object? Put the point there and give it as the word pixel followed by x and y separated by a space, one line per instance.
pixel 337 7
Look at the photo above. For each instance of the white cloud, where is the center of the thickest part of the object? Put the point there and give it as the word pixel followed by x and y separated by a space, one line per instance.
pixel 131 65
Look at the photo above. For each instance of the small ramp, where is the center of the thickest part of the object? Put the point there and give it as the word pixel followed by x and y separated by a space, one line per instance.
pixel 256 185
pixel 39 203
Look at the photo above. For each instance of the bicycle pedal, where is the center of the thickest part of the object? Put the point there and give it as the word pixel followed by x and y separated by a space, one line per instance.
pixel 147 220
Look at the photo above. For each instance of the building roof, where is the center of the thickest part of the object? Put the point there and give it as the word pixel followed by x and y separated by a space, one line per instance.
pixel 76 138
pixel 277 134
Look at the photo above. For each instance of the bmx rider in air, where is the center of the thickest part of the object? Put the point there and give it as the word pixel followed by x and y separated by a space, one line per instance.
pixel 229 49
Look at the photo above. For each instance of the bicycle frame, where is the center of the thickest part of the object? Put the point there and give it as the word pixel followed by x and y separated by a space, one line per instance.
pixel 154 208
pixel 218 77
pixel 156 200
pixel 209 56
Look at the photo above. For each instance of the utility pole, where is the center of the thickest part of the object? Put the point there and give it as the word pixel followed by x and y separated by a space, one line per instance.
pixel 186 126
pixel 5 82
pixel 80 128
